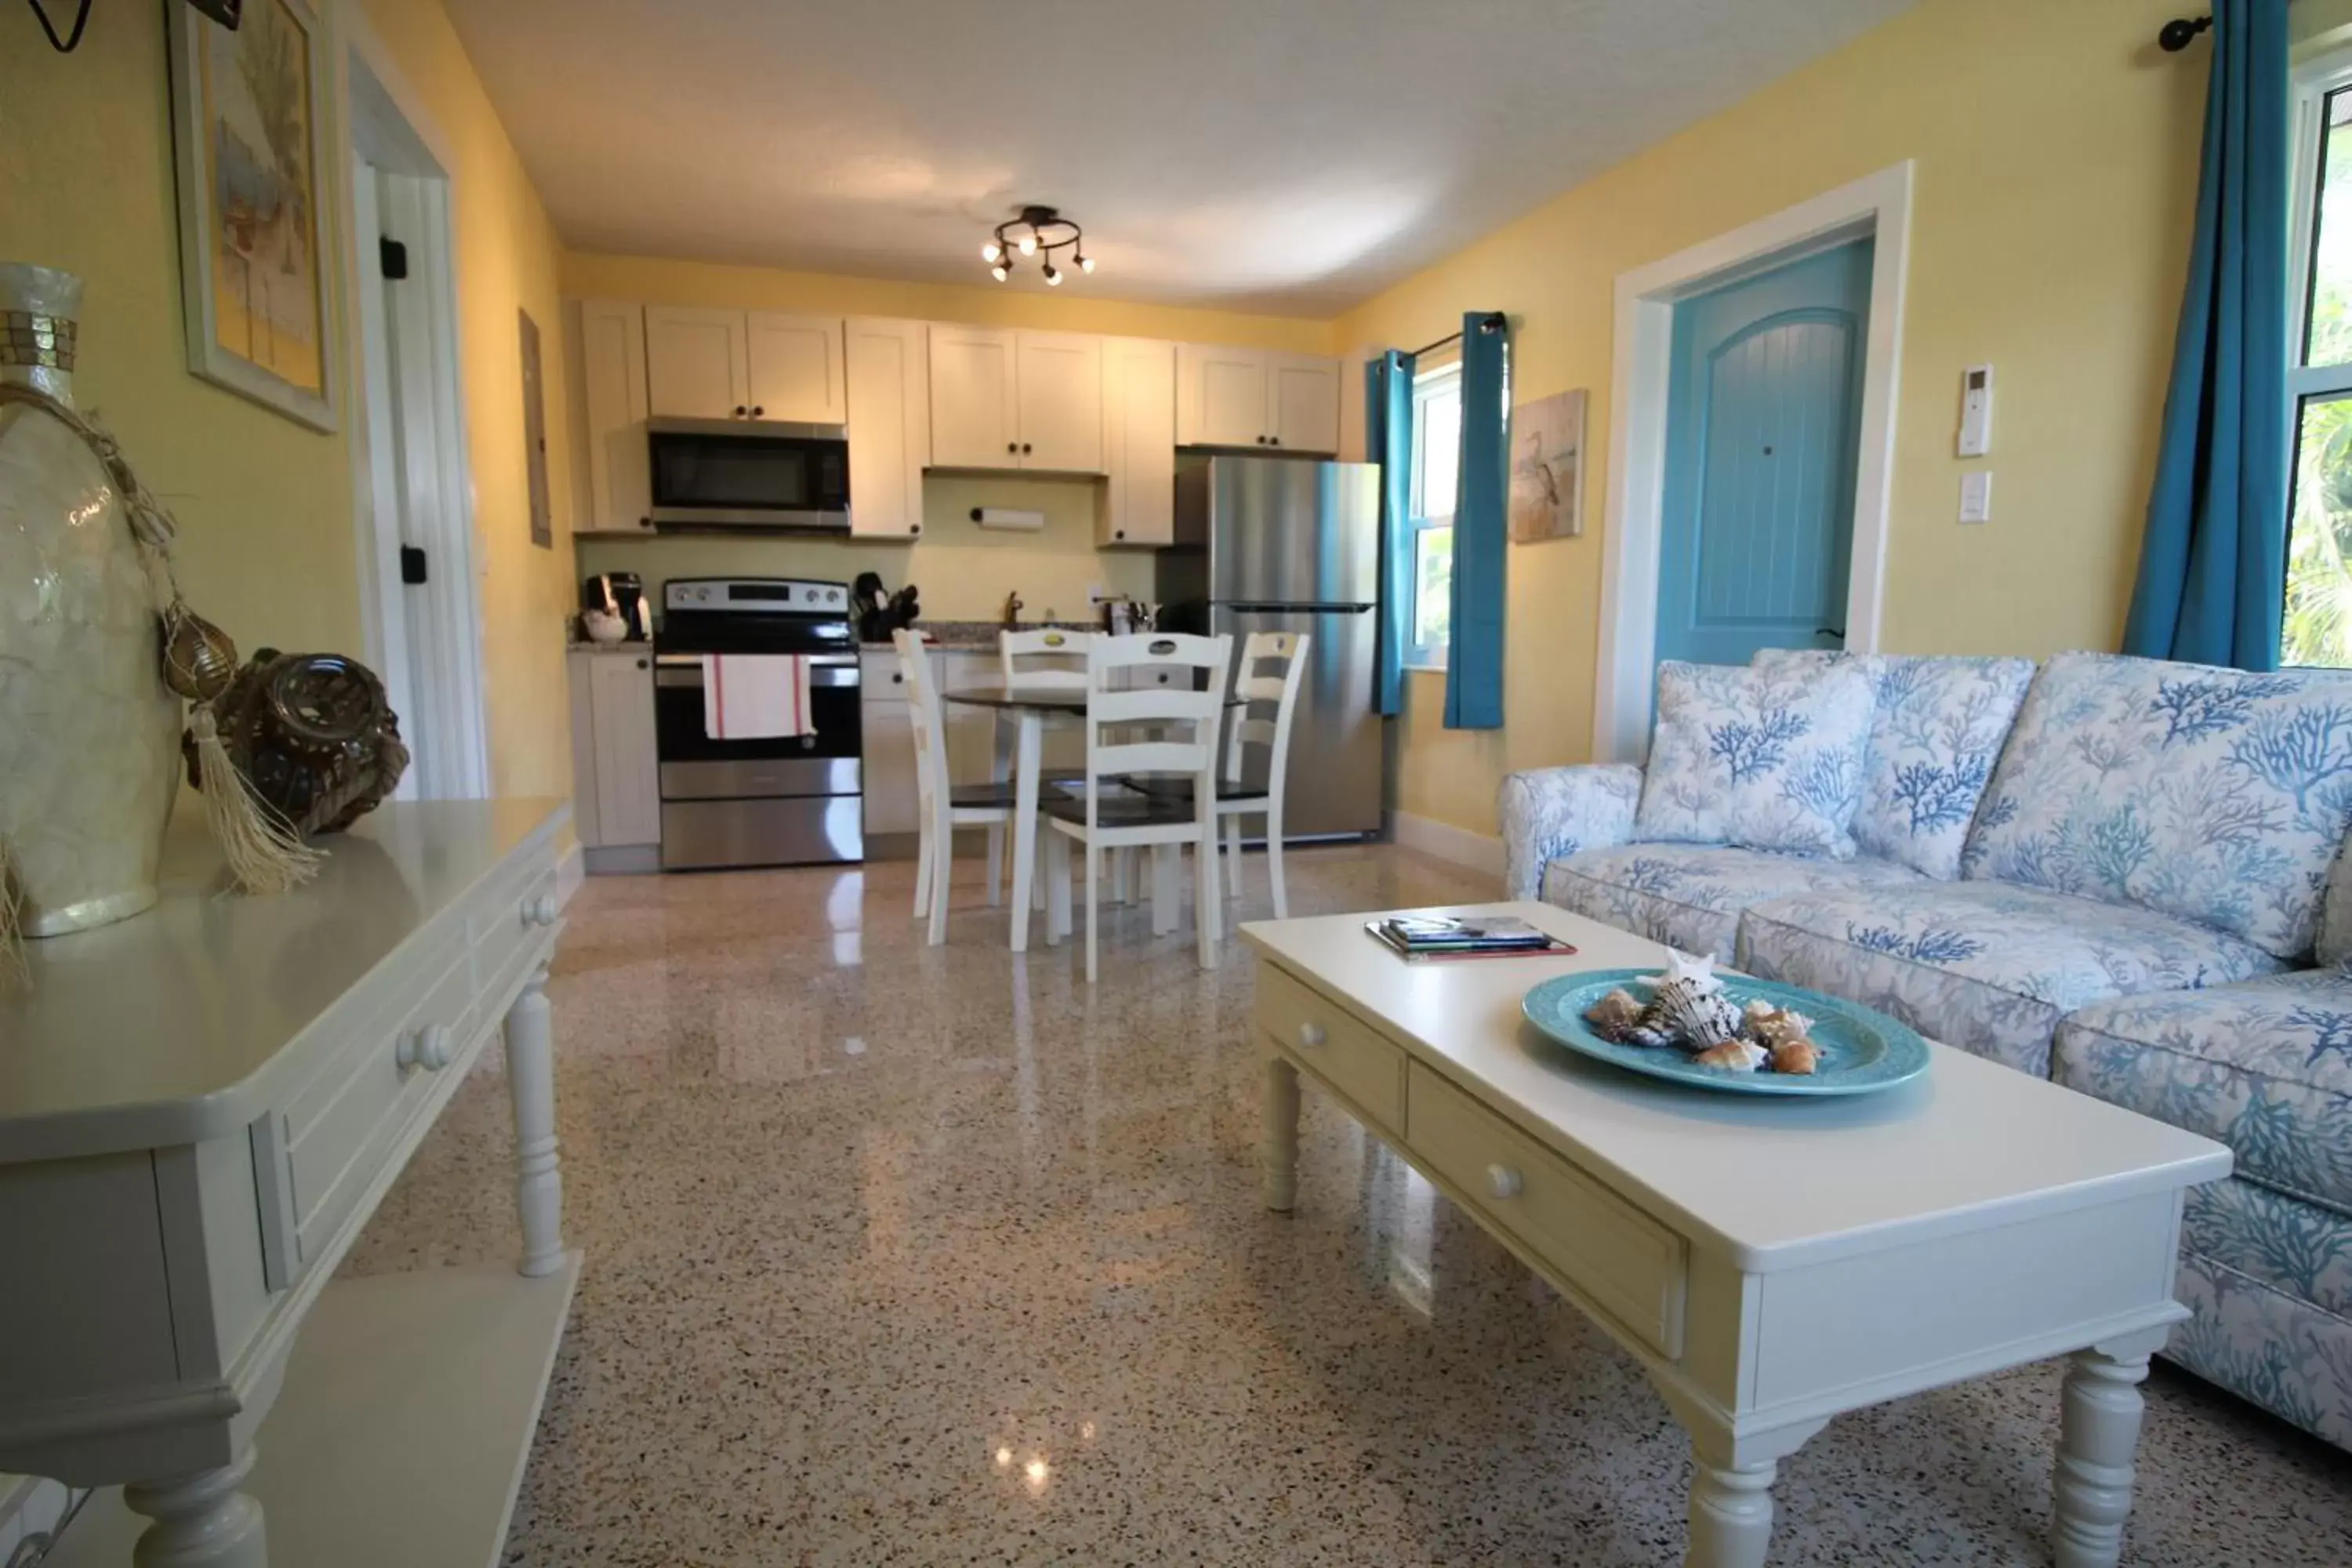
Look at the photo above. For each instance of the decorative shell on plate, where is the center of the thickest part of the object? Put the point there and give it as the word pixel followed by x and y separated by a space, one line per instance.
pixel 1690 1011
pixel 1613 1016
pixel 1735 1054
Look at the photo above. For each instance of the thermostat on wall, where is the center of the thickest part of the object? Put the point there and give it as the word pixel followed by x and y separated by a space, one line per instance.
pixel 1976 411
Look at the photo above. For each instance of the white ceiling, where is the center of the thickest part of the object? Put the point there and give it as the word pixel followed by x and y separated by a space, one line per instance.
pixel 1293 157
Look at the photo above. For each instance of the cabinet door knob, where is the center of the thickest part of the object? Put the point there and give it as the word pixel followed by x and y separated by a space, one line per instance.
pixel 642 664
pixel 738 411
pixel 431 1047
pixel 644 522
pixel 542 911
pixel 1012 445
pixel 1024 449
pixel 1503 1182
pixel 758 412
pixel 914 528
pixel 1118 533
pixel 1310 1035
pixel 1274 440
pixel 1261 440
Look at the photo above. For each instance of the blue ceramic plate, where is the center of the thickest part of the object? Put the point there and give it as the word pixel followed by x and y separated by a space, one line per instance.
pixel 1862 1051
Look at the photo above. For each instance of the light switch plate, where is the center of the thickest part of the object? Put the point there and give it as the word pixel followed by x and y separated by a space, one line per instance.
pixel 1976 496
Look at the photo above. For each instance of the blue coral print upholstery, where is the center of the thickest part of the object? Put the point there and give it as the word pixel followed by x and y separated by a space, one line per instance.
pixel 1690 895
pixel 2265 1068
pixel 1935 735
pixel 2332 943
pixel 1982 965
pixel 1761 757
pixel 2281 1350
pixel 2213 794
pixel 1549 811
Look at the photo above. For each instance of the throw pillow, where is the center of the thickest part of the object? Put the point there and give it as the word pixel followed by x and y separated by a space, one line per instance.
pixel 1766 759
pixel 1934 739
pixel 2215 795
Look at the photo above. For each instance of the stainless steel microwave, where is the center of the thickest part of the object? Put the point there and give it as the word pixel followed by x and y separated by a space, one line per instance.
pixel 731 473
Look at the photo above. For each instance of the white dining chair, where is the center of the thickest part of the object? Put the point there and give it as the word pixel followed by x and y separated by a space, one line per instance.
pixel 1183 716
pixel 1019 656
pixel 942 804
pixel 1271 700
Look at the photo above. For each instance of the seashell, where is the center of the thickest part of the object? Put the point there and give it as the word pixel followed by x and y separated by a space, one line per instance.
pixel 1691 1016
pixel 1736 1056
pixel 1614 1014
pixel 199 659
pixel 1777 1025
pixel 1696 972
pixel 1796 1056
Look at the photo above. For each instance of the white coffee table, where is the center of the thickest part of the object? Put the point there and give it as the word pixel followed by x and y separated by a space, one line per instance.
pixel 1769 1262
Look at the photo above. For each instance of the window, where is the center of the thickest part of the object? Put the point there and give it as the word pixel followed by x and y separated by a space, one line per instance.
pixel 1437 471
pixel 2318 622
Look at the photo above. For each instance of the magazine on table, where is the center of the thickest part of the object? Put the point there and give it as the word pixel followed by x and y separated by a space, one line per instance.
pixel 1419 937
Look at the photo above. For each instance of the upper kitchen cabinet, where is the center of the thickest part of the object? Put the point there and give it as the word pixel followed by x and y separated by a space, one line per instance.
pixel 1138 504
pixel 737 365
pixel 614 488
pixel 1019 400
pixel 1251 397
pixel 890 382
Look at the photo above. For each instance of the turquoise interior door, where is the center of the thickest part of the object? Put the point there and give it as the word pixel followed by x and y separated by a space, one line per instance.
pixel 1763 416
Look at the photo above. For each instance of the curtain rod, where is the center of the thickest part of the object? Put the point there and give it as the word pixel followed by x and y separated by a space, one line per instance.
pixel 1494 322
pixel 2180 32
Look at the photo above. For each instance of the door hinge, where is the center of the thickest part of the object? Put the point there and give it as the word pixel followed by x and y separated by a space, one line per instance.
pixel 395 258
pixel 412 565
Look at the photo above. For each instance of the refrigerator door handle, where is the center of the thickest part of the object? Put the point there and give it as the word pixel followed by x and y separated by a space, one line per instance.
pixel 1253 607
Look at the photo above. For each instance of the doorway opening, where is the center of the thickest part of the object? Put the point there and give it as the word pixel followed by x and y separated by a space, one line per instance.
pixel 418 592
pixel 1861 235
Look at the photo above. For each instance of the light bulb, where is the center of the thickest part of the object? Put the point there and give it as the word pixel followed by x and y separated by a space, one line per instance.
pixel 1000 272
pixel 1085 264
pixel 990 251
pixel 1053 275
pixel 1029 243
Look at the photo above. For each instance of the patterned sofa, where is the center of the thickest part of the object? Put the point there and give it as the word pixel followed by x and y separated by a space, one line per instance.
pixel 2125 874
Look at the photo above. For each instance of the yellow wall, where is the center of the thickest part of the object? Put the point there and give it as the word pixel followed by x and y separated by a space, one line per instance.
pixel 1078 307
pixel 265 505
pixel 2056 153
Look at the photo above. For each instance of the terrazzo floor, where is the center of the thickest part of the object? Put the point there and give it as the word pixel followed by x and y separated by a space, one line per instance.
pixel 911 1255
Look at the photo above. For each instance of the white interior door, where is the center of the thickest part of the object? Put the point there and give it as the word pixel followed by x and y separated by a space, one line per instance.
pixel 385 476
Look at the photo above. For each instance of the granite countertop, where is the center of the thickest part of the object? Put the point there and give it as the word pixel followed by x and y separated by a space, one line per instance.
pixel 966 636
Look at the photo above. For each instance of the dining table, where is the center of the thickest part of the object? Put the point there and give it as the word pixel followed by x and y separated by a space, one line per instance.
pixel 1032 708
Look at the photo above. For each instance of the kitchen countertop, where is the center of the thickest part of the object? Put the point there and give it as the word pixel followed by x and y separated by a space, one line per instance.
pixel 966 637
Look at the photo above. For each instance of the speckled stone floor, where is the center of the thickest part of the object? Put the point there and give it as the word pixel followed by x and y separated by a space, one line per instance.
pixel 903 1255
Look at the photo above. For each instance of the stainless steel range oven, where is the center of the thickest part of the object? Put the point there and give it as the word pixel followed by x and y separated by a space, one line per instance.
pixel 785 802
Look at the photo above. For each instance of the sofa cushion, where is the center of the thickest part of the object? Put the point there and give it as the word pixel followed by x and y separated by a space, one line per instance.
pixel 1689 895
pixel 1934 734
pixel 2264 1066
pixel 2213 794
pixel 1982 965
pixel 1761 757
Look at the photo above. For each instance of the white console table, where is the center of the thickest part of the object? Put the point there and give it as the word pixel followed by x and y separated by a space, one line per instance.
pixel 199 1109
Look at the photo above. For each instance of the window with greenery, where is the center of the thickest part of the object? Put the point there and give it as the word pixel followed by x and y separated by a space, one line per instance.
pixel 1437 470
pixel 2318 622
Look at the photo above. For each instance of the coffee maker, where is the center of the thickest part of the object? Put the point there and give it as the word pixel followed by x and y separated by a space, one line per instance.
pixel 622 594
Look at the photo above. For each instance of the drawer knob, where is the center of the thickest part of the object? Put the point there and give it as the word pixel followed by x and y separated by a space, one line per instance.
pixel 1503 1182
pixel 430 1048
pixel 1310 1035
pixel 539 911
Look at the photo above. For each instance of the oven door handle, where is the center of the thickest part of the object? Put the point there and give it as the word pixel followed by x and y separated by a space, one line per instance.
pixel 684 669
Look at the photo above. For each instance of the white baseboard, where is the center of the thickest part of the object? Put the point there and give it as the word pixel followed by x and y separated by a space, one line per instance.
pixel 570 872
pixel 1477 851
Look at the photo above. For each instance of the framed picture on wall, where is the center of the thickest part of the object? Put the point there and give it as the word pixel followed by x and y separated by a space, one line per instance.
pixel 245 111
pixel 1548 468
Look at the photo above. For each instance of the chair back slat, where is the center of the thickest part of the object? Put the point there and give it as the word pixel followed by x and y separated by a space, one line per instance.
pixel 1154 728
pixel 1018 654
pixel 1147 757
pixel 1149 704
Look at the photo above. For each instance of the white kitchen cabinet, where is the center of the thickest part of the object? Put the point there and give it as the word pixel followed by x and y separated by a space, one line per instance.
pixel 697 363
pixel 1250 397
pixel 1138 504
pixel 795 368
pixel 617 780
pixel 608 340
pixel 1303 399
pixel 1058 394
pixel 887 371
pixel 974 404
pixel 1016 400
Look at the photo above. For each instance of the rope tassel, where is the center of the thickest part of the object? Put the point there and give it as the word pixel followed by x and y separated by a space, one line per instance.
pixel 264 855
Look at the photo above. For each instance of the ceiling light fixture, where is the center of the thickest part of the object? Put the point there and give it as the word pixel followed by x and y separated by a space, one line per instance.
pixel 1038 228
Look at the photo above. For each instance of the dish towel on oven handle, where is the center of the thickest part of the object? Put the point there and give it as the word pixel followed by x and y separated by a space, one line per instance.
pixel 755 696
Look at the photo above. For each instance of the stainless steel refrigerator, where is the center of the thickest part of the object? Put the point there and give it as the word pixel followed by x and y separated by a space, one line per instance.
pixel 1289 544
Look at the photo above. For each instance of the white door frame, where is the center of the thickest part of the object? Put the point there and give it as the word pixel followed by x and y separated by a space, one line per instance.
pixel 435 677
pixel 1878 205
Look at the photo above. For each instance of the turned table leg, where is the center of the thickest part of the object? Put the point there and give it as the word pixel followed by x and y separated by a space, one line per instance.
pixel 2098 1430
pixel 200 1519
pixel 530 1081
pixel 1731 1491
pixel 1279 1151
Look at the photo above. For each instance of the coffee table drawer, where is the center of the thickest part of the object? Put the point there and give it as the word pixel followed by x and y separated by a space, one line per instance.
pixel 1627 1263
pixel 1333 1045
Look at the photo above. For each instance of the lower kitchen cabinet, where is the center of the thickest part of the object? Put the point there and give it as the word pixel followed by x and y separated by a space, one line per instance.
pixel 615 777
pixel 888 749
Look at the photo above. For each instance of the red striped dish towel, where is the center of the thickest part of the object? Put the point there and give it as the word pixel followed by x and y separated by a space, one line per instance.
pixel 755 696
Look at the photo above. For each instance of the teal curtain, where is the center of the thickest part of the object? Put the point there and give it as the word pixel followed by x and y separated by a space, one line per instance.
pixel 1388 440
pixel 2212 568
pixel 1474 659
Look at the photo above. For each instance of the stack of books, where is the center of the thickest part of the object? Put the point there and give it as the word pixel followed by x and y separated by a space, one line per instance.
pixel 1463 936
